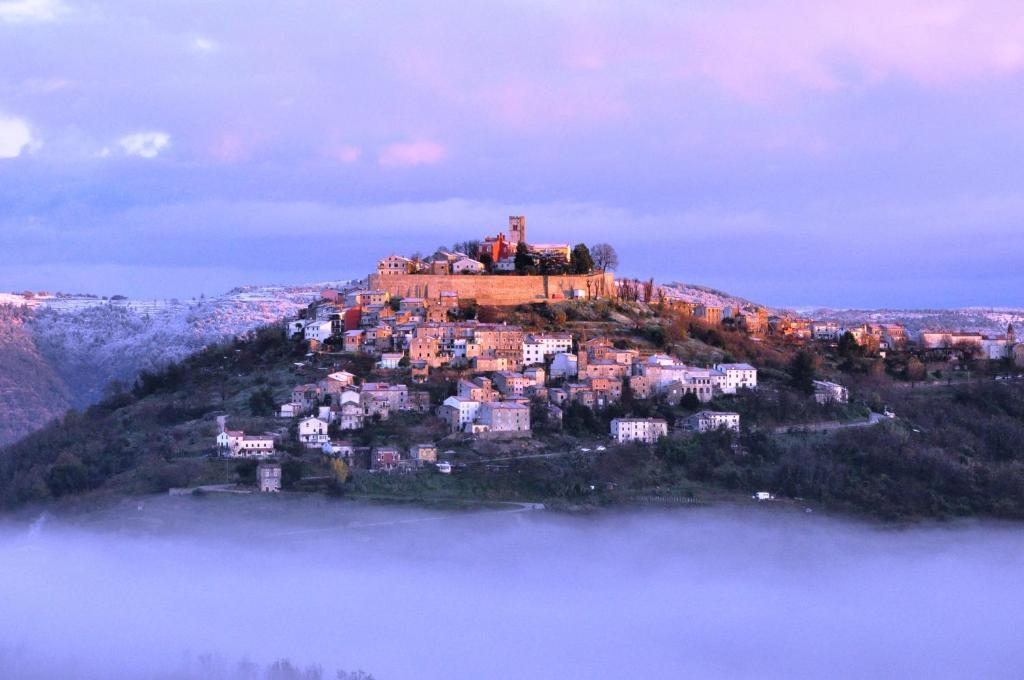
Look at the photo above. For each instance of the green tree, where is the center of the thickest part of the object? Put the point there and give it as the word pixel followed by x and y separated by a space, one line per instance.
pixel 487 261
pixel 523 258
pixel 261 402
pixel 580 262
pixel 848 346
pixel 67 475
pixel 802 371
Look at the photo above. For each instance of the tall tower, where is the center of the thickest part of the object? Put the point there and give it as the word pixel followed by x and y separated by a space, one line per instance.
pixel 517 228
pixel 1011 337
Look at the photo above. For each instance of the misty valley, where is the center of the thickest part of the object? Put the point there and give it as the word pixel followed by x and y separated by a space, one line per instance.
pixel 312 587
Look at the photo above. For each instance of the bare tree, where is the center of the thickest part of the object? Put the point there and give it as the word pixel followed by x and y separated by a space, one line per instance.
pixel 604 256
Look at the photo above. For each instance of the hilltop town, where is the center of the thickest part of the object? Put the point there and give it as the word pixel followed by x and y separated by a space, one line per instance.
pixel 418 318
pixel 530 370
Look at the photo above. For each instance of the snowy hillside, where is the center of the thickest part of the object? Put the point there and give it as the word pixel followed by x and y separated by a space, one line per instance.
pixel 989 321
pixel 87 341
pixel 702 295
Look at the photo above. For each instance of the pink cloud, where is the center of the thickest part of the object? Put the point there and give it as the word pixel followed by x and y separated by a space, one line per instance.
pixel 408 154
pixel 229 147
pixel 346 153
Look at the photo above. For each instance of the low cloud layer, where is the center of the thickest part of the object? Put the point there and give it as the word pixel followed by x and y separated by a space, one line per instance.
pixel 409 593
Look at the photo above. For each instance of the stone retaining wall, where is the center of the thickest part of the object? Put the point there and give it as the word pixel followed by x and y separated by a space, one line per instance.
pixel 495 290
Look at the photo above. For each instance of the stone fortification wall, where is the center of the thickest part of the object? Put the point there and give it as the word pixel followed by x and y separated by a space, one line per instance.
pixel 495 290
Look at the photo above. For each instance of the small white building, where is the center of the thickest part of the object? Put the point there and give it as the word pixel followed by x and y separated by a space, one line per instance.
pixel 291 410
pixel 343 450
pixel 507 264
pixel 826 392
pixel 268 477
pixel 467 266
pixel 313 433
pixel 736 377
pixel 337 381
pixel 646 430
pixel 237 444
pixel 318 330
pixel 564 365
pixel 464 411
pixel 707 421
pixel 390 360
pixel 537 347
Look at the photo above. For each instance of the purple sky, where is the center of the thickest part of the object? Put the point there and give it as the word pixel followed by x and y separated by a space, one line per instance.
pixel 798 153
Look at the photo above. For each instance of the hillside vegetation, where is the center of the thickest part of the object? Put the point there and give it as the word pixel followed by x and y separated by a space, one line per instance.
pixel 953 451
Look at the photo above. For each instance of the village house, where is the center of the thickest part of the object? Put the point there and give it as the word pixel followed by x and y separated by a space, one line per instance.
pixel 707 421
pixel 353 341
pixel 268 477
pixel 826 392
pixel 318 331
pixel 826 330
pixel 337 382
pixel 646 430
pixel 538 347
pixel 604 368
pixel 478 389
pixel 504 416
pixel 607 391
pixel 427 350
pixel 339 449
pixel 536 375
pixel 564 365
pixel 394 264
pixel 458 412
pixel 365 298
pixel 468 266
pixel 423 453
pixel 491 364
pixel 385 458
pixel 351 415
pixel 307 396
pixel 710 315
pixel 511 384
pixel 390 360
pixel 291 410
pixel 396 396
pixel 237 444
pixel 736 377
pixel 313 433
pixel 666 376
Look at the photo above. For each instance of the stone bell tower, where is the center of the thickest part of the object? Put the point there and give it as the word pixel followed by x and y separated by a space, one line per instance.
pixel 517 229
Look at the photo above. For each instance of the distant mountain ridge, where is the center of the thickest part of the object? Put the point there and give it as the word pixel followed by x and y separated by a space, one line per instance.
pixel 991 320
pixel 61 352
pixel 988 320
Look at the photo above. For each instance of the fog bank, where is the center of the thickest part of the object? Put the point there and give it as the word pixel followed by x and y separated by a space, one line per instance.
pixel 140 590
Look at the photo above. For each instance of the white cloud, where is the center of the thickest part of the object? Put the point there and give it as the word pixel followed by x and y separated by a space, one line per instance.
pixel 31 11
pixel 201 44
pixel 15 136
pixel 145 144
pixel 406 154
